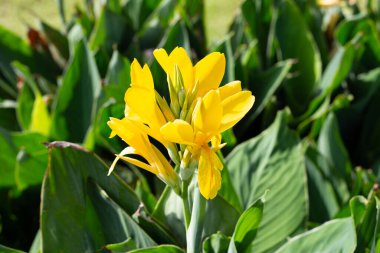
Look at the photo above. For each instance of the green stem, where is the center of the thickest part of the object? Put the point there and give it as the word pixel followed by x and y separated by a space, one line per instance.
pixel 194 231
pixel 185 202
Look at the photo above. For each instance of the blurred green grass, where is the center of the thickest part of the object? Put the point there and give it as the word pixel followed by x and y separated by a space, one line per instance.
pixel 17 15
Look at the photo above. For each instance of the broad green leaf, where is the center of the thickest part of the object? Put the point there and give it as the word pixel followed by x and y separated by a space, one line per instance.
pixel 23 159
pixel 301 47
pixel 159 249
pixel 272 161
pixel 247 226
pixel 76 103
pixel 227 191
pixel 93 209
pixel 325 188
pixel 216 243
pixel 330 145
pixel 331 237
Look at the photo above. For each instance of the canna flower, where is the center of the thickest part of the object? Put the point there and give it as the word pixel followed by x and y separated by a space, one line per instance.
pixel 219 110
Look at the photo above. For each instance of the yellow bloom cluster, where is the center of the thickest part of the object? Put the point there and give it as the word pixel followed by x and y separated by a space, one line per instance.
pixel 189 127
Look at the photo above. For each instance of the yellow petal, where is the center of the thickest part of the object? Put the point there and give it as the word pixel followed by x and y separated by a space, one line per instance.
pixel 235 107
pixel 126 151
pixel 177 56
pixel 143 102
pixel 229 89
pixel 209 178
pixel 130 133
pixel 178 131
pixel 207 113
pixel 209 72
pixel 141 77
pixel 165 170
pixel 139 164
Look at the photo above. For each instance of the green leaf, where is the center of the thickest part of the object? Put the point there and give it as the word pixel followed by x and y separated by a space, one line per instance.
pixel 220 215
pixel 121 247
pixel 25 101
pixel 263 89
pixel 272 161
pixel 159 249
pixel 335 73
pixel 57 39
pixel 93 209
pixel 333 236
pixel 18 152
pixel 118 71
pixel 330 145
pixel 216 243
pixel 367 216
pixel 247 226
pixel 4 249
pixel 301 47
pixel 325 188
pixel 76 103
pixel 36 245
pixel 109 30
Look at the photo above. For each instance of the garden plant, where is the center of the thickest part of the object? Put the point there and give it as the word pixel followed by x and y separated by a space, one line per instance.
pixel 132 127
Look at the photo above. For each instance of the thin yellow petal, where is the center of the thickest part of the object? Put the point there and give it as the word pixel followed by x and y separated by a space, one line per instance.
pixel 235 107
pixel 209 72
pixel 229 89
pixel 139 164
pixel 178 131
pixel 126 151
pixel 208 112
pixel 141 77
pixel 209 178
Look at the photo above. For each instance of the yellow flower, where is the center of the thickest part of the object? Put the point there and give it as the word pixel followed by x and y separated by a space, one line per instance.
pixel 217 111
pixel 208 72
pixel 134 134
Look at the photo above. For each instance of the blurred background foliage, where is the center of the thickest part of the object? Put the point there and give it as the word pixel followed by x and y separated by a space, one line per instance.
pixel 312 137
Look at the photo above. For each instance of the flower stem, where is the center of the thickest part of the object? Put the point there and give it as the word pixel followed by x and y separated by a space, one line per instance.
pixel 185 202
